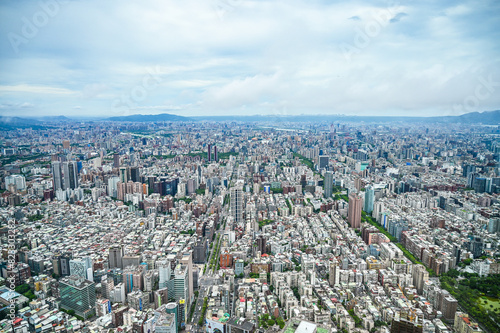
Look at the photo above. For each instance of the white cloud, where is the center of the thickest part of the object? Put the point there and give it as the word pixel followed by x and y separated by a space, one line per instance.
pixel 223 57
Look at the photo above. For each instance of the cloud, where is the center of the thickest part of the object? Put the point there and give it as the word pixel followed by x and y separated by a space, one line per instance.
pixel 397 17
pixel 190 59
pixel 34 89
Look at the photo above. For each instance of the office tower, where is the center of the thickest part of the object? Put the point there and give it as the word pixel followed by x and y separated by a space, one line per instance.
pixel 107 286
pixel 70 175
pixel 187 260
pixel 468 169
pixel 173 308
pixel 57 175
pixel 165 272
pixel 494 225
pixel 113 186
pixel 323 162
pixel 200 251
pixel 261 244
pixel 123 175
pixel 236 197
pixel 181 291
pixel 116 160
pixel 181 283
pixel 216 155
pixel 354 213
pixel 135 174
pixel 77 294
pixel 209 152
pixel 80 266
pixel 64 264
pixel 133 278
pixel 369 199
pixel 115 257
pixel 328 184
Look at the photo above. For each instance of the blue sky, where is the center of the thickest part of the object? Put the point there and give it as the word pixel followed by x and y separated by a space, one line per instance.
pixel 231 57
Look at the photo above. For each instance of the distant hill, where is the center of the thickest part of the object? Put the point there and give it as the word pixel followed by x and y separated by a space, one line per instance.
pixel 486 117
pixel 150 117
pixel 7 123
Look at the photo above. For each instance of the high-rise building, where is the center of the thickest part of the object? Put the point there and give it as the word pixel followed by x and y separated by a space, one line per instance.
pixel 261 244
pixel 181 291
pixel 164 271
pixel 160 297
pixel 63 263
pixel 209 152
pixel 354 213
pixel 116 160
pixel 70 175
pixel 133 278
pixel 494 225
pixel 57 175
pixel 200 251
pixel 108 284
pixel 80 267
pixel 181 283
pixel 124 178
pixel 115 257
pixel 334 273
pixel 323 162
pixel 369 199
pixel 17 181
pixel 77 294
pixel 135 175
pixel 216 155
pixel 420 275
pixel 172 308
pixel 236 197
pixel 187 260
pixel 328 184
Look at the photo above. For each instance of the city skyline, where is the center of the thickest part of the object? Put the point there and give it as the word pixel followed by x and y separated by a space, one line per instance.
pixel 248 57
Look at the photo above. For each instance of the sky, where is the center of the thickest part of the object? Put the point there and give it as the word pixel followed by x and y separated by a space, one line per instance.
pixel 246 57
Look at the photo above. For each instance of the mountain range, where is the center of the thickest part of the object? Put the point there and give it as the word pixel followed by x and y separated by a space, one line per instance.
pixel 486 118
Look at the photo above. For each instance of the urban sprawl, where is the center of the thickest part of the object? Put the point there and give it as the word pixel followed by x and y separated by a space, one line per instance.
pixel 250 227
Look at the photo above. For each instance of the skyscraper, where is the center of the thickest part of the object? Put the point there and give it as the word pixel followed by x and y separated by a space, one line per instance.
pixel 261 244
pixel 80 267
pixel 116 160
pixel 77 294
pixel 216 156
pixel 237 204
pixel 187 260
pixel 57 175
pixel 323 162
pixel 209 152
pixel 369 198
pixel 135 175
pixel 115 257
pixel 328 184
pixel 70 175
pixel 354 213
